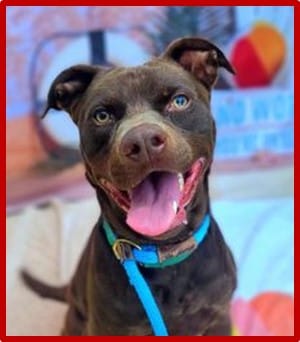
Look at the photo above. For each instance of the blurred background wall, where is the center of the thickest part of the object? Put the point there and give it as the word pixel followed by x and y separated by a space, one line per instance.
pixel 252 176
pixel 254 111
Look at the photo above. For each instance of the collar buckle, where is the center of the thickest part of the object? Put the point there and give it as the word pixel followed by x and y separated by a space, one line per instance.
pixel 122 249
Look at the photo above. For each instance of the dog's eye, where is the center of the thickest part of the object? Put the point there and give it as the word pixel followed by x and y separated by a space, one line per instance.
pixel 180 102
pixel 101 117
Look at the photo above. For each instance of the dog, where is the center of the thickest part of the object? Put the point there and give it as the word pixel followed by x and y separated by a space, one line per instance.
pixel 147 137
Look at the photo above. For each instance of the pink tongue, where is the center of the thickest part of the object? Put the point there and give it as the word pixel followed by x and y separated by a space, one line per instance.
pixel 151 212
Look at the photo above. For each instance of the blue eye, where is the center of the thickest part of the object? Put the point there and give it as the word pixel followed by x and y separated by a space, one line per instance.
pixel 180 101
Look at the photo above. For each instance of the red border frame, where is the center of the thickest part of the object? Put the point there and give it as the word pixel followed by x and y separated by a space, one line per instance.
pixel 153 2
pixel 296 86
pixel 5 3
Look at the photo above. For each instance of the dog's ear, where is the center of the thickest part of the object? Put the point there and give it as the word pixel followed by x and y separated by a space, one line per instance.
pixel 200 57
pixel 69 86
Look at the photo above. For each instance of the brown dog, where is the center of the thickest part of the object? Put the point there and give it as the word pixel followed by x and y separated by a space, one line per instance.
pixel 147 137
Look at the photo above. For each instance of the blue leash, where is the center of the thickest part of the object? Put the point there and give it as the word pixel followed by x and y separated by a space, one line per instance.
pixel 145 295
pixel 130 254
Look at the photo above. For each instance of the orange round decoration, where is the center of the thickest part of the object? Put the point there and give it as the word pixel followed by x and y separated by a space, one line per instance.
pixel 276 311
pixel 258 56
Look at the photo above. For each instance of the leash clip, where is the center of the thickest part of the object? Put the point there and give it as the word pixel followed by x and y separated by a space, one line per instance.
pixel 122 249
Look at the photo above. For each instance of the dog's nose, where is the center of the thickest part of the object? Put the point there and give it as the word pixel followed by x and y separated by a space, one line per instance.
pixel 143 143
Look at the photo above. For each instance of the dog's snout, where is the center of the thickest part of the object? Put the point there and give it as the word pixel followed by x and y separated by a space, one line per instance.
pixel 143 143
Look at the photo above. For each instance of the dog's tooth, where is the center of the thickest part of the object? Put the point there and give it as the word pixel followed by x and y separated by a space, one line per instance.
pixel 185 221
pixel 180 181
pixel 175 206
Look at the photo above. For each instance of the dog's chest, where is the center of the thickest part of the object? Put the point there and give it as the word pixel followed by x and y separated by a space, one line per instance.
pixel 184 298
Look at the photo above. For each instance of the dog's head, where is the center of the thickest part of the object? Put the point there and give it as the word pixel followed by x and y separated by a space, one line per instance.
pixel 146 133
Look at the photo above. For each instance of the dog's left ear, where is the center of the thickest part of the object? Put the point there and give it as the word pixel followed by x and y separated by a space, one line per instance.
pixel 200 57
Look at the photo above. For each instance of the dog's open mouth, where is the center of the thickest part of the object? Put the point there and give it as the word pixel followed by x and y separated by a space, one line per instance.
pixel 157 204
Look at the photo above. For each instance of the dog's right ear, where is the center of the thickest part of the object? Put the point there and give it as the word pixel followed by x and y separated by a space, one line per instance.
pixel 69 86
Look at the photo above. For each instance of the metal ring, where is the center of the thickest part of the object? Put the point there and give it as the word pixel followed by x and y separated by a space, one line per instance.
pixel 122 250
